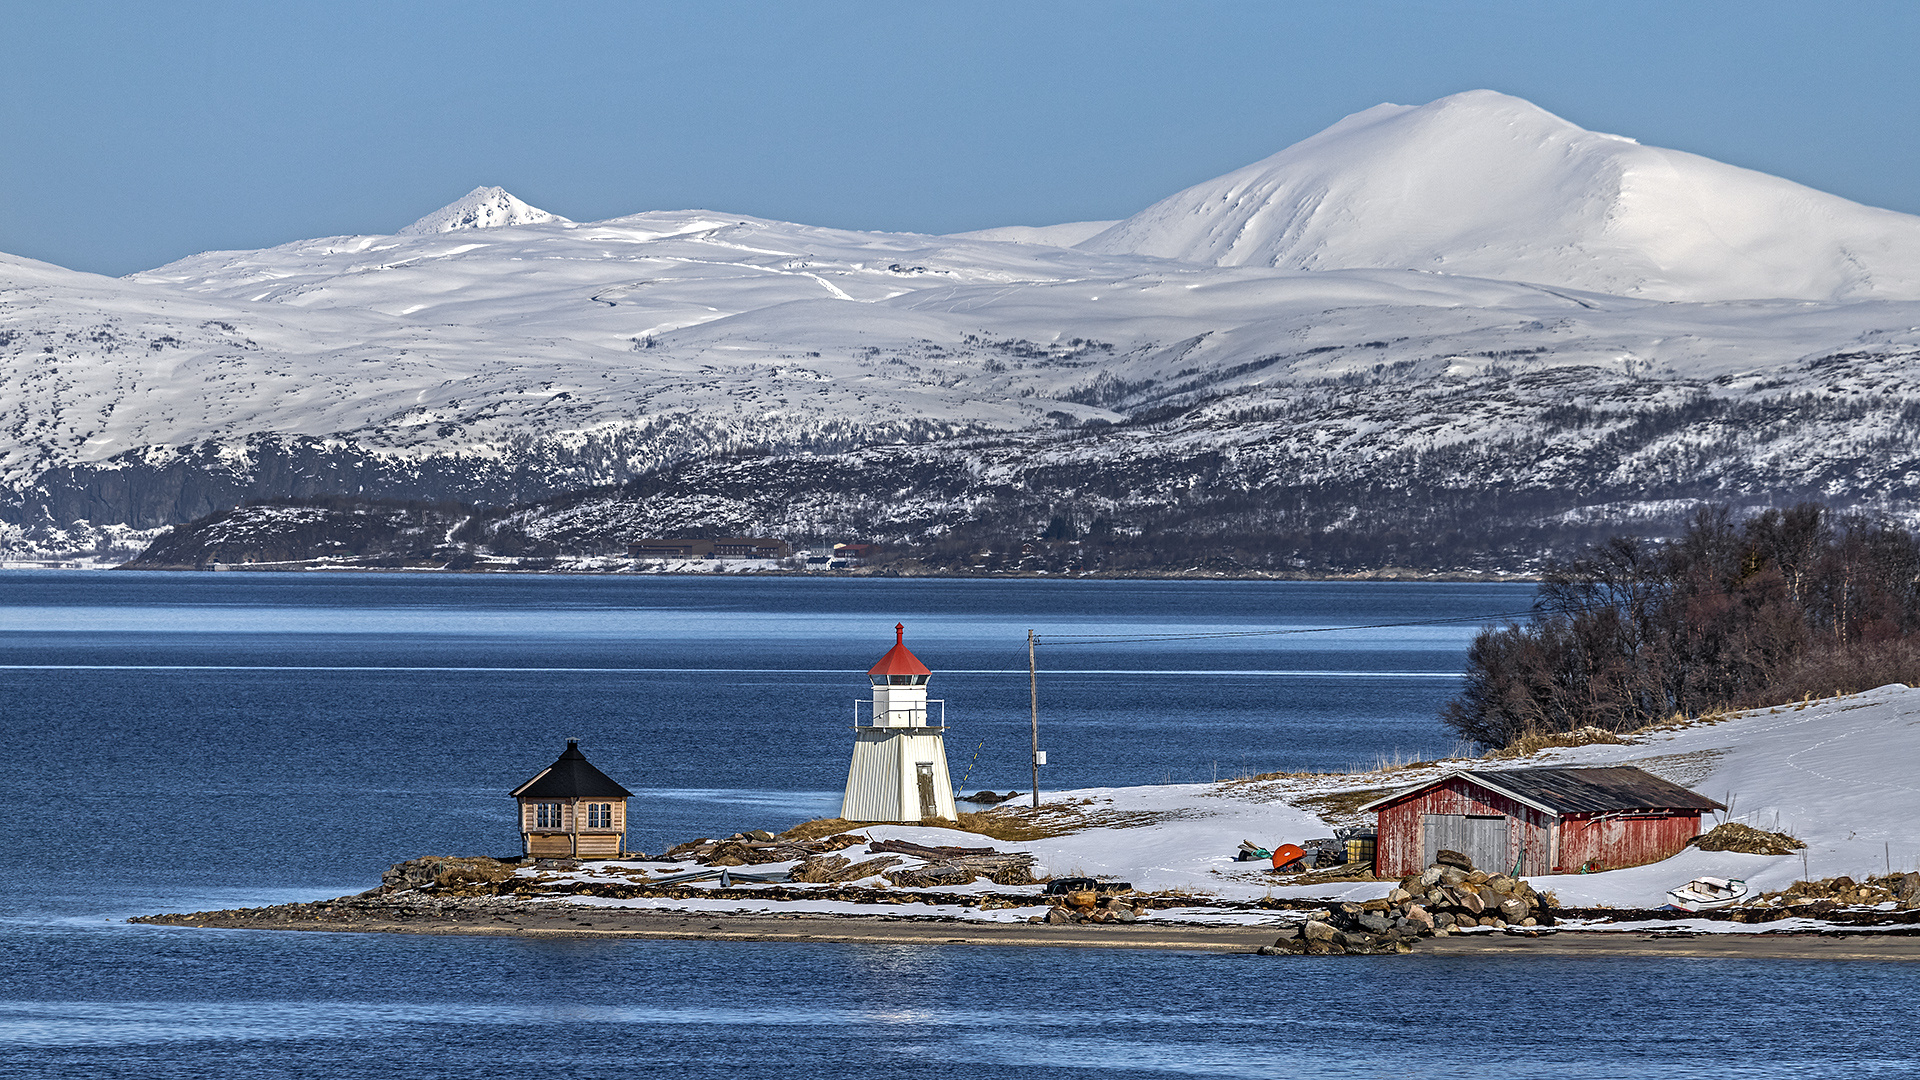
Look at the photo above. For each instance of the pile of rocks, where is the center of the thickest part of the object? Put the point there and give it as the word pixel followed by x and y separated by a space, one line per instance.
pixel 1815 897
pixel 1450 895
pixel 1734 836
pixel 1090 905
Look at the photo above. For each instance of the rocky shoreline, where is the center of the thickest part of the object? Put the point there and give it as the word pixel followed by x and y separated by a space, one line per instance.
pixel 1447 910
pixel 506 917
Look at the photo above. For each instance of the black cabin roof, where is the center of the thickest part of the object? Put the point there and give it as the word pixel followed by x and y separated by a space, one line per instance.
pixel 572 776
pixel 1605 789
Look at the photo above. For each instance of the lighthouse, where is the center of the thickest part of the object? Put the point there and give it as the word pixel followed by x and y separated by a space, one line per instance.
pixel 899 770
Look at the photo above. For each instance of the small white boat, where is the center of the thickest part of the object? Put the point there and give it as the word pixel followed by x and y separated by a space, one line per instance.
pixel 1707 893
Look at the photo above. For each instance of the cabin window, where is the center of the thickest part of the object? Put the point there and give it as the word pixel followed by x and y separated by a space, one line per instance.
pixel 600 815
pixel 546 815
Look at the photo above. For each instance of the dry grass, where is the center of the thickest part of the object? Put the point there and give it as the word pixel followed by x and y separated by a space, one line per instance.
pixel 1397 762
pixel 1013 825
pixel 1681 721
pixel 998 824
pixel 1276 776
pixel 821 828
pixel 1535 741
pixel 1340 804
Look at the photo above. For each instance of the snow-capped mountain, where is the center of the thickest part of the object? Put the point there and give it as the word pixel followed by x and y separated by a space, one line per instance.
pixel 1492 186
pixel 481 208
pixel 496 352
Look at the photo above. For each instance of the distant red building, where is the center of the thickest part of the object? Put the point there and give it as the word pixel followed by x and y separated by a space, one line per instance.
pixel 852 554
pixel 729 547
pixel 1545 821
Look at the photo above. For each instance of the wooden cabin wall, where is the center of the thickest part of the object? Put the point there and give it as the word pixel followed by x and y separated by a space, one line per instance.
pixel 1400 848
pixel 561 842
pixel 1396 845
pixel 1611 842
pixel 550 845
pixel 599 845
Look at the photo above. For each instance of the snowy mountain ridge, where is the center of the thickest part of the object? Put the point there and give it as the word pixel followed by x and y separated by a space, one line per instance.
pixel 1488 185
pixel 497 353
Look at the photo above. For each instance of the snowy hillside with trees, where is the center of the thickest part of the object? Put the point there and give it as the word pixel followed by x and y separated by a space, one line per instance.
pixel 1471 301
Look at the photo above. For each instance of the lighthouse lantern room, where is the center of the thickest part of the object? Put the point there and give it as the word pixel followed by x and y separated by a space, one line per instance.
pixel 899 770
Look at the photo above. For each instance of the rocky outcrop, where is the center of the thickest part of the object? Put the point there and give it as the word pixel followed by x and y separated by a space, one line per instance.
pixel 454 875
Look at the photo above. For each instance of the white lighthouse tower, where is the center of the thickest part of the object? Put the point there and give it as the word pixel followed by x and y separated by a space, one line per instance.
pixel 899 768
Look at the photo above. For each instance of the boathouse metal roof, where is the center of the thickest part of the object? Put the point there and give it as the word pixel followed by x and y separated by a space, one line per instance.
pixel 1599 790
pixel 571 776
pixel 899 661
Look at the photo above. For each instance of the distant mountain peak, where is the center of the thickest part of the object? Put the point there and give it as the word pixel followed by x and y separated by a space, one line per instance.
pixel 481 208
pixel 1485 184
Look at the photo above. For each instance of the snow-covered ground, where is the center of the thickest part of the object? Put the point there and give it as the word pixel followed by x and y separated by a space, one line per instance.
pixel 1841 774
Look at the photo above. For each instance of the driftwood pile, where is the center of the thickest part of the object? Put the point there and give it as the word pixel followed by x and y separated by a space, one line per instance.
pixel 948 866
pixel 1447 896
pixel 944 866
pixel 756 847
pixel 815 861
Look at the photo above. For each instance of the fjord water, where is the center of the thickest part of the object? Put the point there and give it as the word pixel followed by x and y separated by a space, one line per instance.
pixel 182 742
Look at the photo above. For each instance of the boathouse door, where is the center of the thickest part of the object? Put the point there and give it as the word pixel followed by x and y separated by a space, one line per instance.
pixel 1480 838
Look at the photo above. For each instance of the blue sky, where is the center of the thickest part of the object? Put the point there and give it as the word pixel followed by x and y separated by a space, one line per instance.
pixel 138 133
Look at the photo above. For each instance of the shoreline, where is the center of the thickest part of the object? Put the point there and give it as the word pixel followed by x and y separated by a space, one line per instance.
pixel 1410 575
pixel 570 921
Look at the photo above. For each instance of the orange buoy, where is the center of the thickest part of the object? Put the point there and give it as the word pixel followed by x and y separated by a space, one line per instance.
pixel 1287 854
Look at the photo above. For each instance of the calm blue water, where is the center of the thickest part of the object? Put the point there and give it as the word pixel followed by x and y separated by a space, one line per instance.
pixel 178 742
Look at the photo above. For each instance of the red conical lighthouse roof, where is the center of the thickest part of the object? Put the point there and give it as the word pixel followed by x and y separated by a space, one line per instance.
pixel 898 660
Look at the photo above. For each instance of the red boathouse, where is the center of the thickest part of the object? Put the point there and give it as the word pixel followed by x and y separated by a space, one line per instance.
pixel 1545 821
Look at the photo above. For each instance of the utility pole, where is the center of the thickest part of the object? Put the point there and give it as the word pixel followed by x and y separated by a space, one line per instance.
pixel 1033 700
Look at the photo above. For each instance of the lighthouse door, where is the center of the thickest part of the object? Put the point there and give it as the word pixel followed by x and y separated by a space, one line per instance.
pixel 929 806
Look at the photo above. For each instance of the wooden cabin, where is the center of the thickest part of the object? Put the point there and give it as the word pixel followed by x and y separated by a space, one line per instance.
pixel 572 810
pixel 1544 820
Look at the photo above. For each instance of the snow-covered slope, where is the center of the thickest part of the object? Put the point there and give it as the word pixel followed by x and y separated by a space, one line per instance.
pixel 1489 185
pixel 1063 235
pixel 497 352
pixel 1835 773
